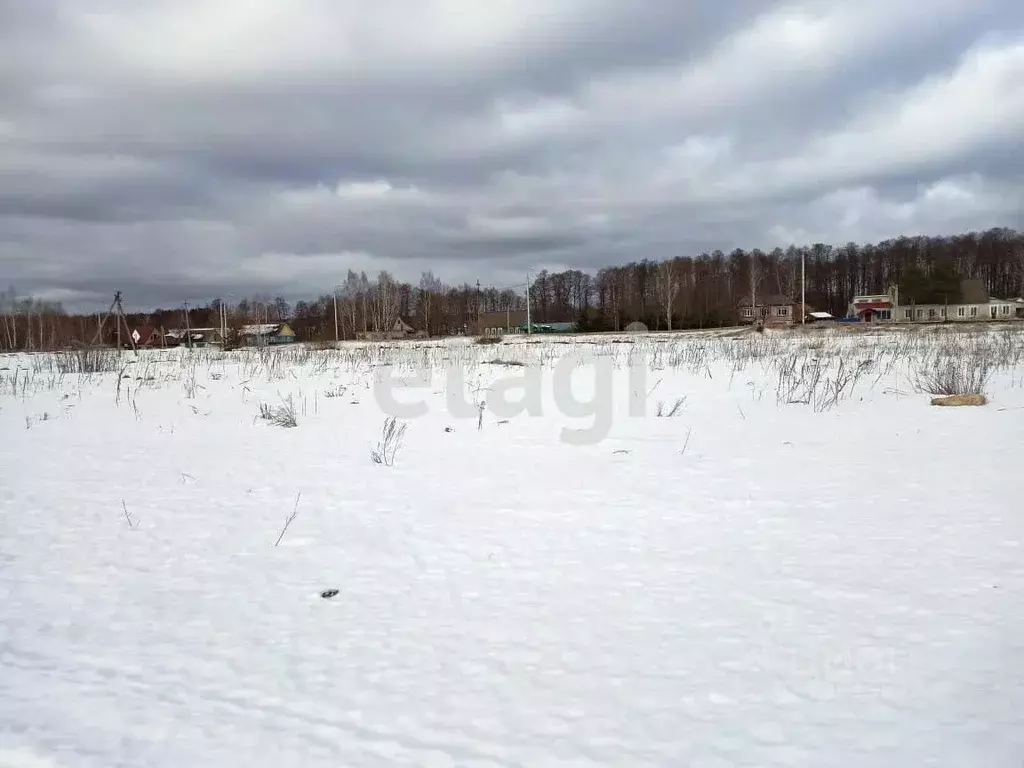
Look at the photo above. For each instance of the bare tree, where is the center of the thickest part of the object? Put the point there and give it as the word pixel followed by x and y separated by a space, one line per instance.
pixel 385 301
pixel 668 287
pixel 7 305
pixel 430 289
pixel 1018 260
pixel 281 309
pixel 364 298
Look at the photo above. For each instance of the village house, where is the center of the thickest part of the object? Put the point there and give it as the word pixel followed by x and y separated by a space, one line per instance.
pixel 501 323
pixel 147 337
pixel 191 337
pixel 266 335
pixel 769 309
pixel 873 308
pixel 972 305
pixel 400 329
pixel 513 321
pixel 144 336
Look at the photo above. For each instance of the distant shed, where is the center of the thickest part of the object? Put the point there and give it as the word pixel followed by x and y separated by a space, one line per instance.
pixel 817 317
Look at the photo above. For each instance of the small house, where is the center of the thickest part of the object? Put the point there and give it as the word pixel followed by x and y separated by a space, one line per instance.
pixel 144 336
pixel 874 307
pixel 818 317
pixel 502 323
pixel 191 337
pixel 205 337
pixel 399 329
pixel 770 309
pixel 266 335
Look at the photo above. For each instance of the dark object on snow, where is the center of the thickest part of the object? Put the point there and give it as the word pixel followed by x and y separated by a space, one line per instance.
pixel 448 429
pixel 328 593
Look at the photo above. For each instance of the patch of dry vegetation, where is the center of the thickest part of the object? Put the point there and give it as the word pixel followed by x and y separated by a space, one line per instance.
pixel 819 370
pixel 959 400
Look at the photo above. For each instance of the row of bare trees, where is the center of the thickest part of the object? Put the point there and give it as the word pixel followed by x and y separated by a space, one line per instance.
pixel 364 304
pixel 29 323
pixel 680 292
pixel 705 290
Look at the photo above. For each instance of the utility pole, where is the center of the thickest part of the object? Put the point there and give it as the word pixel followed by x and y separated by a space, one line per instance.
pixel 223 324
pixel 123 322
pixel 803 287
pixel 529 324
pixel 479 330
pixel 188 330
pixel 120 322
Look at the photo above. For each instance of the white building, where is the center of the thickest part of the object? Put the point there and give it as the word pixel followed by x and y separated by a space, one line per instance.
pixel 974 306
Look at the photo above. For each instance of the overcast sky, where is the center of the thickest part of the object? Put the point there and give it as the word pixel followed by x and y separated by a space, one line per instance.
pixel 182 149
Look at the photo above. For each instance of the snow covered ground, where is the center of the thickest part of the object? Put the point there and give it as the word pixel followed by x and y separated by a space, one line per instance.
pixel 802 563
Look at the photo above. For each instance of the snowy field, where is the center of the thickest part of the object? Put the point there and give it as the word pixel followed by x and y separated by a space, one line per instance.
pixel 705 549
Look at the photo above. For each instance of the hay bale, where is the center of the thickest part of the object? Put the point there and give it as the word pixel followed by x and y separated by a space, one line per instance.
pixel 957 400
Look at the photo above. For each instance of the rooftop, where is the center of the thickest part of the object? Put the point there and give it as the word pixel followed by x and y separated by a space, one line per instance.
pixel 771 299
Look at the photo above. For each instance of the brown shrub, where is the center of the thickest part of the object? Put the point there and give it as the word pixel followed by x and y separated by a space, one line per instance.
pixel 959 400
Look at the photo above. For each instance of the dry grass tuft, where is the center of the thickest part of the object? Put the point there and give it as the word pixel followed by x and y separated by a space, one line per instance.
pixel 966 374
pixel 390 442
pixel 87 360
pixel 959 400
pixel 282 415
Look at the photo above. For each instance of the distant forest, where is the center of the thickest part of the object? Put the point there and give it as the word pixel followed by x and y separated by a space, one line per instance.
pixel 680 292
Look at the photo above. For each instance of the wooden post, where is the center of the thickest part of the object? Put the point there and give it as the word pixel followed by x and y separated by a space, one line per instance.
pixel 124 322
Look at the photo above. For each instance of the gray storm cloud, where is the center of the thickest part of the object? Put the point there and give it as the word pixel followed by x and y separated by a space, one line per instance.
pixel 183 150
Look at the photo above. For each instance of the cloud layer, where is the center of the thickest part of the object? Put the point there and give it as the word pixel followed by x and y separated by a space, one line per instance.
pixel 189 149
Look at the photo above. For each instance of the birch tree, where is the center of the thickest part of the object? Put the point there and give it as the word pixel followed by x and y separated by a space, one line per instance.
pixel 430 289
pixel 667 280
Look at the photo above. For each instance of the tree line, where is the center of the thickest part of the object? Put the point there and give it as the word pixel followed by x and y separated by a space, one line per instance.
pixel 676 293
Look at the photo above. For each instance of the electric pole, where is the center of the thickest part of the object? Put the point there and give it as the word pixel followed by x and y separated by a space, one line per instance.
pixel 188 330
pixel 529 324
pixel 223 324
pixel 120 322
pixel 479 330
pixel 803 287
